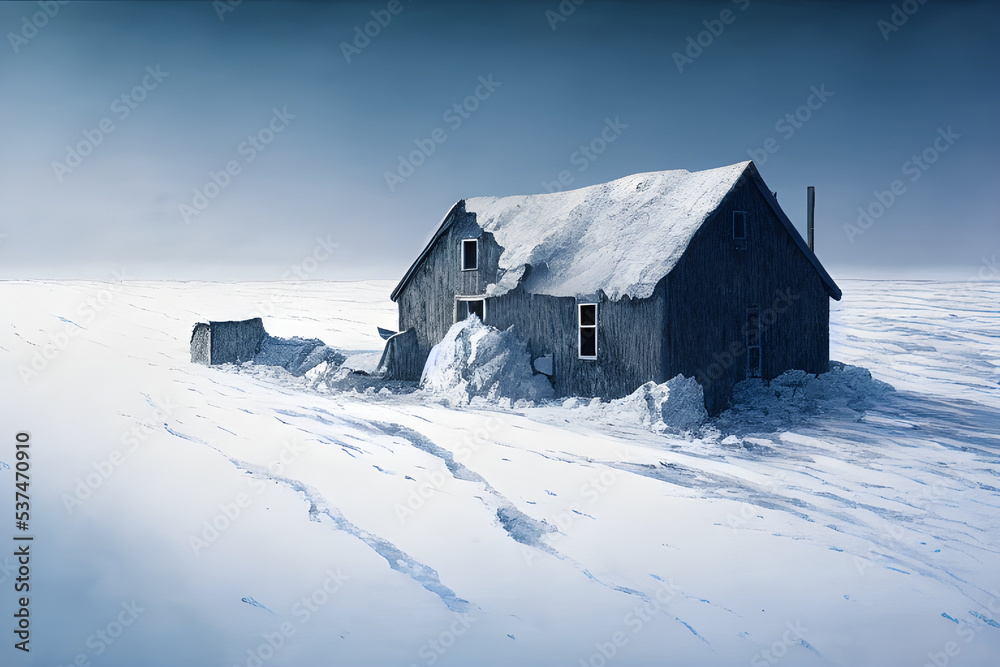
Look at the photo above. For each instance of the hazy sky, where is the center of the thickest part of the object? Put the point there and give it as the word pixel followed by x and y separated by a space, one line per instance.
pixel 112 115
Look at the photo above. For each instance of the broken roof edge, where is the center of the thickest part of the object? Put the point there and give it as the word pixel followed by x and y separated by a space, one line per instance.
pixel 441 229
pixel 831 287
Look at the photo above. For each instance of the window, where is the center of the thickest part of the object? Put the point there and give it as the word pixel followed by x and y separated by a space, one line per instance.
pixel 470 254
pixel 588 330
pixel 753 342
pixel 468 307
pixel 740 228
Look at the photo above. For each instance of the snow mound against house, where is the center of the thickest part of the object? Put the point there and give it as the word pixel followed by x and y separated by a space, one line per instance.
pixel 844 391
pixel 354 376
pixel 674 406
pixel 475 360
pixel 296 355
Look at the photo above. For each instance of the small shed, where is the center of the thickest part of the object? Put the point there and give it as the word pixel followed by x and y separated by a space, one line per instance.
pixel 227 342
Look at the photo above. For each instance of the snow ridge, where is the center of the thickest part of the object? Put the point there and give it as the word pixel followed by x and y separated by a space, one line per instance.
pixel 397 559
pixel 521 527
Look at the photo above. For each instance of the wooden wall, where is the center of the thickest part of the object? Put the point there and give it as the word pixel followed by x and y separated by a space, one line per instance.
pixel 715 283
pixel 401 358
pixel 427 303
pixel 629 339
pixel 236 342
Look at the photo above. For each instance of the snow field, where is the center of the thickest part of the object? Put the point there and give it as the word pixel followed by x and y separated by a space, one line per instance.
pixel 457 535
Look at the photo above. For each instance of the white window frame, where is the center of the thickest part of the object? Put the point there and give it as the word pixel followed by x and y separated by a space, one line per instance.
pixel 461 259
pixel 579 331
pixel 462 301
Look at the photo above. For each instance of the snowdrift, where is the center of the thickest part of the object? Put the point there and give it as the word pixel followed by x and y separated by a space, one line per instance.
pixel 677 406
pixel 479 364
pixel 296 355
pixel 674 406
pixel 796 395
pixel 476 360
pixel 355 375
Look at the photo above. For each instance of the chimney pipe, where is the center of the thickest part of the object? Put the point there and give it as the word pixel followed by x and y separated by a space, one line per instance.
pixel 810 216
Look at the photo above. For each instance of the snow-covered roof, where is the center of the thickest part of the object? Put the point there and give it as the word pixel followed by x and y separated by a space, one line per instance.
pixel 620 237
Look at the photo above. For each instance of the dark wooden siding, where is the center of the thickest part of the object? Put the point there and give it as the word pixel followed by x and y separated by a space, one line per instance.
pixel 629 339
pixel 427 303
pixel 716 282
pixel 401 358
pixel 236 342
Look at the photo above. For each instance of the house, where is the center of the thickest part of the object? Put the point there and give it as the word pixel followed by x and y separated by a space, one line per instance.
pixel 613 285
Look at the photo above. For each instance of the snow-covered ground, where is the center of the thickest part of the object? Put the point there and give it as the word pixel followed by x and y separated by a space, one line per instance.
pixel 187 515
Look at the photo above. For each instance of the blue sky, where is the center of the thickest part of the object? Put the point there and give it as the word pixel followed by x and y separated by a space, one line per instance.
pixel 300 131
